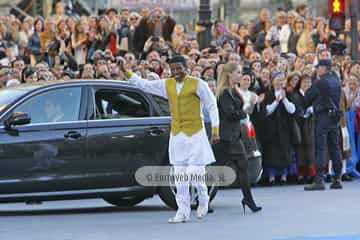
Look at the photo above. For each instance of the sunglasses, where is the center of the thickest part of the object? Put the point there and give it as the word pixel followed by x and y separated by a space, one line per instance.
pixel 132 19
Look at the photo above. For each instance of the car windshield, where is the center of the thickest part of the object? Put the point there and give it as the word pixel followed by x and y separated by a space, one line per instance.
pixel 7 95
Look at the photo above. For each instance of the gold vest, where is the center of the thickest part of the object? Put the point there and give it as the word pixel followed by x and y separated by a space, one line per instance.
pixel 185 107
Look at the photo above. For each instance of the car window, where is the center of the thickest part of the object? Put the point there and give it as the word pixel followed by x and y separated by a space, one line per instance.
pixel 118 104
pixel 9 95
pixel 163 105
pixel 59 105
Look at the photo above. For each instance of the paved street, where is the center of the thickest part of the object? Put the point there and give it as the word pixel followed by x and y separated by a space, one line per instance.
pixel 289 213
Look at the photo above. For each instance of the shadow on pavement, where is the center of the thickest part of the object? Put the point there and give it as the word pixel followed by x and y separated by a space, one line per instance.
pixel 86 210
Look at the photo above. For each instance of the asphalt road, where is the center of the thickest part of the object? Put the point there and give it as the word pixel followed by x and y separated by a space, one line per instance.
pixel 289 213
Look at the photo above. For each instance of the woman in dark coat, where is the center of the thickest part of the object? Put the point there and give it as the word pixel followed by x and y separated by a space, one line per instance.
pixel 279 111
pixel 231 112
pixel 34 47
pixel 305 151
pixel 258 116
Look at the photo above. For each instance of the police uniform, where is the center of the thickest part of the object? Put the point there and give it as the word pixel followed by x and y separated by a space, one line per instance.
pixel 324 96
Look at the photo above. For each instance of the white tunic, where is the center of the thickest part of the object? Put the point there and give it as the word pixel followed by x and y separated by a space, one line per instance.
pixel 185 150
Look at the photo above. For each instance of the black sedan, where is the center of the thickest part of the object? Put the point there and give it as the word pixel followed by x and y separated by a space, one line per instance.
pixel 82 139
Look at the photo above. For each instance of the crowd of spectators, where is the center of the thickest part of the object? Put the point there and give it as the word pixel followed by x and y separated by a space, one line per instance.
pixel 278 55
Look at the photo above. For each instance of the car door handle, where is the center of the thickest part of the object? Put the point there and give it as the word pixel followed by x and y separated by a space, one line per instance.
pixel 72 134
pixel 155 131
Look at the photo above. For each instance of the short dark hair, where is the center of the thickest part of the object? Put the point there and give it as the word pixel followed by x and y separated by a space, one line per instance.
pixel 177 59
pixel 300 7
pixel 111 10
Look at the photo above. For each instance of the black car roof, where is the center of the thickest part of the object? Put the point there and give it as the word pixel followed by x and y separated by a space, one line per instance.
pixel 43 84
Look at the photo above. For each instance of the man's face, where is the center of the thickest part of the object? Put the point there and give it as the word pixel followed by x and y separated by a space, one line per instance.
pixel 178 71
pixel 355 69
pixel 234 58
pixel 103 71
pixel 60 8
pixel 124 15
pixel 51 109
pixel 304 12
pixel 353 83
pixel 255 56
pixel 194 44
pixel 157 14
pixel 130 59
pixel 321 70
pixel 112 15
pixel 325 55
pixel 281 18
pixel 88 71
pixel 145 12
pixel 256 67
pixel 153 56
pixel 265 77
pixel 114 69
pixel 264 15
pixel 49 26
pixel 234 27
pixel 19 67
pixel 100 63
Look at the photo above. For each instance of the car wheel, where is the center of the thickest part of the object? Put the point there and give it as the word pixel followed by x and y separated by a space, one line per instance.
pixel 124 201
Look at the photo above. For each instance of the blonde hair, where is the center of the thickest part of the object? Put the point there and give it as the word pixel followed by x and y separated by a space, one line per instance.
pixel 223 81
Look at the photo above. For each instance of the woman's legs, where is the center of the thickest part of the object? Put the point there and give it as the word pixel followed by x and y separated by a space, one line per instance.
pixel 241 164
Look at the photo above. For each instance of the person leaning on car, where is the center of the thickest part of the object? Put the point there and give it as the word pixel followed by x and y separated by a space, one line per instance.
pixel 324 96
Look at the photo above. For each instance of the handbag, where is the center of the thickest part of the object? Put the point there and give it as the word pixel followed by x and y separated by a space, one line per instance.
pixel 345 138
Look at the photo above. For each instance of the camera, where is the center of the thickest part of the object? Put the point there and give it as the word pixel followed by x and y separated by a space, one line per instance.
pixel 155 39
pixel 337 47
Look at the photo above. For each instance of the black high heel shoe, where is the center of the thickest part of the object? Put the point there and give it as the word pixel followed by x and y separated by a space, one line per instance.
pixel 250 205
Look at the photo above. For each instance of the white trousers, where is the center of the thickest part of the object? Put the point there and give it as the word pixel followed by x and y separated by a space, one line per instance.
pixel 184 177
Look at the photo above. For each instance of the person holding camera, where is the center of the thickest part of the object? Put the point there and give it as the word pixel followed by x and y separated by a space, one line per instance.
pixel 324 96
pixel 280 31
pixel 158 24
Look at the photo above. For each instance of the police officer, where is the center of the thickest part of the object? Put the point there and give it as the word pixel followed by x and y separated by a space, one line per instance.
pixel 324 96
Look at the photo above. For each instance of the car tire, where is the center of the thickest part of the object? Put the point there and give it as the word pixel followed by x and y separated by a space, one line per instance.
pixel 124 201
pixel 167 195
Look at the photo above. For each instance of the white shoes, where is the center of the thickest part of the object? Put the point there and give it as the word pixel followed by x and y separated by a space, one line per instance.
pixel 201 212
pixel 179 218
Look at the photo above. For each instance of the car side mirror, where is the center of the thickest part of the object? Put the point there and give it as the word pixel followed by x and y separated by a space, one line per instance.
pixel 17 118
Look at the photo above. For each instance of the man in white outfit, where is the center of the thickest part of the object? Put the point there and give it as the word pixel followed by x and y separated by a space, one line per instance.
pixel 189 148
